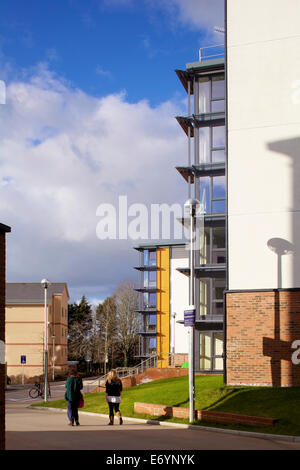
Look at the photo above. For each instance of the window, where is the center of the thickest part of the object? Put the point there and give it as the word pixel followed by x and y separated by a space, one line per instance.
pixel 211 296
pixel 149 300
pixel 149 279
pixel 211 351
pixel 149 257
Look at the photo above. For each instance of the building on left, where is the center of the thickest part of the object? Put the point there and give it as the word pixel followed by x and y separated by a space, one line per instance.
pixel 4 229
pixel 25 324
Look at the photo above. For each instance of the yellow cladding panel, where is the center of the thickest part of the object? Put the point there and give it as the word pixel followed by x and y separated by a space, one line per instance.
pixel 163 303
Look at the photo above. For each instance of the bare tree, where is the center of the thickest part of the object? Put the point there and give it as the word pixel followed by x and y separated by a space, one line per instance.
pixel 126 299
pixel 107 327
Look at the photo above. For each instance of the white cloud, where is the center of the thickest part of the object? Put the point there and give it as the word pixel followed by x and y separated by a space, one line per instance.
pixel 62 153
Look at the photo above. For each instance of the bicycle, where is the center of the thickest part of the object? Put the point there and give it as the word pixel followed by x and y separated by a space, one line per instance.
pixel 38 390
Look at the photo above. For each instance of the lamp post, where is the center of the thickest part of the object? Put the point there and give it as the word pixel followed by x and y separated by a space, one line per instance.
pixel 53 357
pixel 45 283
pixel 191 207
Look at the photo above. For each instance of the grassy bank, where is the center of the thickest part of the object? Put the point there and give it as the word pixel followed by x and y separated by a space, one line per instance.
pixel 210 394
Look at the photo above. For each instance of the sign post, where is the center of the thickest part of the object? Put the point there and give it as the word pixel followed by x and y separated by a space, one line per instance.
pixel 23 361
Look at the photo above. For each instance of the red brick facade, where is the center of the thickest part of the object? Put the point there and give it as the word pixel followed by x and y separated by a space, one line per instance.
pixel 260 330
pixel 3 230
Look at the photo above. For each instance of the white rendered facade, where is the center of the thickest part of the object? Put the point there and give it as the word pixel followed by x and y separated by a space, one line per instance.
pixel 263 117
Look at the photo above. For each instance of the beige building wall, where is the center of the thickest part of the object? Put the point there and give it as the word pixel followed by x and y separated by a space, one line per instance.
pixel 25 336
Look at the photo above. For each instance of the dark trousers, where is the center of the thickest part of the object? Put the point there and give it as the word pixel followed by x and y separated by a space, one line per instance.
pixel 73 410
pixel 112 407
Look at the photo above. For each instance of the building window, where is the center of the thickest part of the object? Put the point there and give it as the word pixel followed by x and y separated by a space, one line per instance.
pixel 212 246
pixel 211 296
pixel 149 300
pixel 149 279
pixel 149 257
pixel 211 351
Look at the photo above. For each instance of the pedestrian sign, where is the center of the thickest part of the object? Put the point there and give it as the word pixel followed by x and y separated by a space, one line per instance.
pixel 23 359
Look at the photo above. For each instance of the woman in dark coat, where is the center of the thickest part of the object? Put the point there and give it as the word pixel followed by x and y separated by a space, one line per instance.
pixel 113 388
pixel 73 394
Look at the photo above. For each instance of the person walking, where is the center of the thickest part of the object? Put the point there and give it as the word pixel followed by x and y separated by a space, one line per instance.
pixel 73 394
pixel 113 387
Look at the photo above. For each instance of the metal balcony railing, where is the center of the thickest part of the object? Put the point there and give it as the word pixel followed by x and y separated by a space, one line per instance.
pixel 211 52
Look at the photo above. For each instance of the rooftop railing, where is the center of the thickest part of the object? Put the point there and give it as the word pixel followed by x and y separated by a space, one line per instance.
pixel 211 52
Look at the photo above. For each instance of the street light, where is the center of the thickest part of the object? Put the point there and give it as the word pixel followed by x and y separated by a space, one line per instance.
pixel 45 283
pixel 53 357
pixel 191 208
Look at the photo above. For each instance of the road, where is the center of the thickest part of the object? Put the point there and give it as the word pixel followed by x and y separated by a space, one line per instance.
pixel 28 429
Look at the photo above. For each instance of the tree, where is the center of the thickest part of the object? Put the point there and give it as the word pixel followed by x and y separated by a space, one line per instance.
pixel 126 299
pixel 80 322
pixel 107 328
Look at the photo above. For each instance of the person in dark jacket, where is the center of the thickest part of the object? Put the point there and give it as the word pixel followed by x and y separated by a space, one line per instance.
pixel 113 388
pixel 73 394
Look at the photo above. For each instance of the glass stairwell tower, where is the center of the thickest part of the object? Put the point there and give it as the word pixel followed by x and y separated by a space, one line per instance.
pixel 205 174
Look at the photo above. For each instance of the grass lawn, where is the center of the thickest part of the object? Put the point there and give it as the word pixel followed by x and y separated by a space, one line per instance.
pixel 210 393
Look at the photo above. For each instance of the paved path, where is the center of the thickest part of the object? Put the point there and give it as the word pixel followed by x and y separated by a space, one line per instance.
pixel 28 429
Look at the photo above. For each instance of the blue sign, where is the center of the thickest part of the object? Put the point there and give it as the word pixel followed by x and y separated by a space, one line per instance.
pixel 23 359
pixel 189 317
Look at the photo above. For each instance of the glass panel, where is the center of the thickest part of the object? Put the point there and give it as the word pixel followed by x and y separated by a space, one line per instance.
pixel 205 351
pixel 204 145
pixel 218 257
pixel 218 139
pixel 218 156
pixel 218 207
pixel 204 249
pixel 152 278
pixel 218 351
pixel 218 106
pixel 146 257
pixel 152 300
pixel 152 345
pixel 152 258
pixel 204 193
pixel 218 363
pixel 145 279
pixel 217 308
pixel 218 238
pixel 152 320
pixel 204 296
pixel 219 187
pixel 218 288
pixel 218 88
pixel 204 97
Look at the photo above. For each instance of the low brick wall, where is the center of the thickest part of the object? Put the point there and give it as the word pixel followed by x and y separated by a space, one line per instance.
pixel 203 415
pixel 149 375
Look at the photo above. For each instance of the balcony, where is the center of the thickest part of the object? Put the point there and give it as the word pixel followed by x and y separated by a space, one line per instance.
pixel 206 271
pixel 201 120
pixel 204 169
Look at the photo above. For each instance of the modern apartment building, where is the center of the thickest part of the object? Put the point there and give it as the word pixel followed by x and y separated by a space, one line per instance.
pixel 25 323
pixel 163 298
pixel 263 117
pixel 204 172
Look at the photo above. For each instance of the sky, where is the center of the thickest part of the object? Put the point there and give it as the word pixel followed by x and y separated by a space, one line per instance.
pixel 89 116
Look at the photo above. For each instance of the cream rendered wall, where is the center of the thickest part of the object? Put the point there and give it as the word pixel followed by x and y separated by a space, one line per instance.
pixel 263 75
pixel 179 301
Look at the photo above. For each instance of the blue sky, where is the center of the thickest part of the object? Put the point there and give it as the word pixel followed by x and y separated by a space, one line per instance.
pixel 104 47
pixel 89 116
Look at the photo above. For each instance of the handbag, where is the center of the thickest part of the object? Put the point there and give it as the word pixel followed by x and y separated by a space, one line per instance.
pixel 113 399
pixel 81 402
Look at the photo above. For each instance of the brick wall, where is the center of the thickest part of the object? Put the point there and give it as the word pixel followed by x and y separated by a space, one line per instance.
pixel 147 376
pixel 203 415
pixel 260 330
pixel 2 338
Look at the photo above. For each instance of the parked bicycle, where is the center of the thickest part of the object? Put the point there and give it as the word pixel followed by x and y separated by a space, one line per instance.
pixel 38 390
